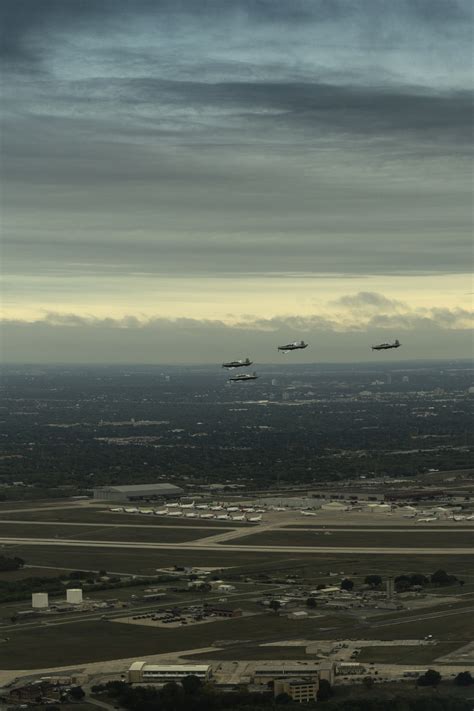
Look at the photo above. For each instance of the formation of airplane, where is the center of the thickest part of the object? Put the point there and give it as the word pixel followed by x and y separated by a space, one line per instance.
pixel 295 346
pixel 386 346
pixel 243 377
pixel 237 364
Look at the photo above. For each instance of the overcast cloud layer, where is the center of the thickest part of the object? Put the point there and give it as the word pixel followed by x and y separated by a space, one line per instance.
pixel 151 145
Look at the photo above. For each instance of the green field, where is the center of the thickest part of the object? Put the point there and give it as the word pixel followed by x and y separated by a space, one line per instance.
pixel 421 654
pixel 413 539
pixel 70 643
pixel 98 516
pixel 149 534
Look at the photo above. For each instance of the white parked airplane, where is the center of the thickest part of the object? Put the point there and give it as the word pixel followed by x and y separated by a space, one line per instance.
pixel 249 510
pixel 208 515
pixel 131 510
pixel 230 509
pixel 174 505
pixel 278 508
pixel 145 511
pixel 175 513
pixel 308 513
pixel 254 519
pixel 191 515
pixel 216 508
pixel 238 518
pixel 117 510
pixel 162 512
pixel 202 506
pixel 188 506
pixel 223 517
pixel 428 519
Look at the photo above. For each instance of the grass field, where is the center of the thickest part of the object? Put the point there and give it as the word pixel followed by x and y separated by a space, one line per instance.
pixel 414 539
pixel 311 567
pixel 98 516
pixel 71 643
pixel 150 534
pixel 396 654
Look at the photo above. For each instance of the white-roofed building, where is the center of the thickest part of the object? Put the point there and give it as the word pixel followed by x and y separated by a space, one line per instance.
pixel 143 673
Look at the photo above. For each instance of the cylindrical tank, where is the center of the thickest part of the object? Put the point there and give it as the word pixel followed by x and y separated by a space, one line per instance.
pixel 74 596
pixel 39 600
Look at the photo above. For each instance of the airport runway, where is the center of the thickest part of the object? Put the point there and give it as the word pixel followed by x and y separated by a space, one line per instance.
pixel 223 549
pixel 243 529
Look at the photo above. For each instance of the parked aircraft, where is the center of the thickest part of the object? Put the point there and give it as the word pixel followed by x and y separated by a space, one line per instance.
pixel 254 519
pixel 117 510
pixel 191 515
pixel 386 346
pixel 188 506
pixel 208 515
pixel 202 506
pixel 237 364
pixel 175 513
pixel 308 513
pixel 174 505
pixel 216 508
pixel 238 518
pixel 223 517
pixel 131 510
pixel 162 512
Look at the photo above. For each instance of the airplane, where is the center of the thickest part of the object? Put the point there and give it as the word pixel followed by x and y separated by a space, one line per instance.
pixel 208 515
pixel 260 510
pixel 116 510
pixel 145 511
pixel 254 519
pixel 428 519
pixel 248 510
pixel 188 506
pixel 297 345
pixel 131 510
pixel 175 513
pixel 386 346
pixel 173 506
pixel 278 508
pixel 238 518
pixel 191 515
pixel 216 508
pixel 162 512
pixel 243 377
pixel 308 513
pixel 223 517
pixel 237 363
pixel 231 509
pixel 202 506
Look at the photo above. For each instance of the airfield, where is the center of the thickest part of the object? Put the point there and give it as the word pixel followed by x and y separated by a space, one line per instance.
pixel 258 558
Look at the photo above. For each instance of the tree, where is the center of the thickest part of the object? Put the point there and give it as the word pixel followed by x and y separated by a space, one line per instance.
pixel 375 581
pixel 311 603
pixel 77 693
pixel 282 699
pixel 464 678
pixel 430 678
pixel 440 577
pixel 191 684
pixel 347 584
pixel 275 605
pixel 325 690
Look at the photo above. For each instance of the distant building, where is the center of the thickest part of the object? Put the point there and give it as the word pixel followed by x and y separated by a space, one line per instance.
pixel 141 672
pixel 136 492
pixel 301 690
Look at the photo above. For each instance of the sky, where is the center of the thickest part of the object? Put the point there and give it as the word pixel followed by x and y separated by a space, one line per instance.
pixel 189 181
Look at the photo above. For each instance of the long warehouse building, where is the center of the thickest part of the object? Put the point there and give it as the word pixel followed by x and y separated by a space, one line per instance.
pixel 137 492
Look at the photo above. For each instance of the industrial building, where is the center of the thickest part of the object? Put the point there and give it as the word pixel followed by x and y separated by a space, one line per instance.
pixel 284 670
pixel 301 690
pixel 141 672
pixel 74 596
pixel 136 492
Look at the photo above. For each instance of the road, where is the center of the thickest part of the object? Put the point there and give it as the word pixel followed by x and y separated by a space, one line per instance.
pixel 203 546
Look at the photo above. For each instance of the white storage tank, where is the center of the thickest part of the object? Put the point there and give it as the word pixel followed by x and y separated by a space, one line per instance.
pixel 74 596
pixel 39 601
